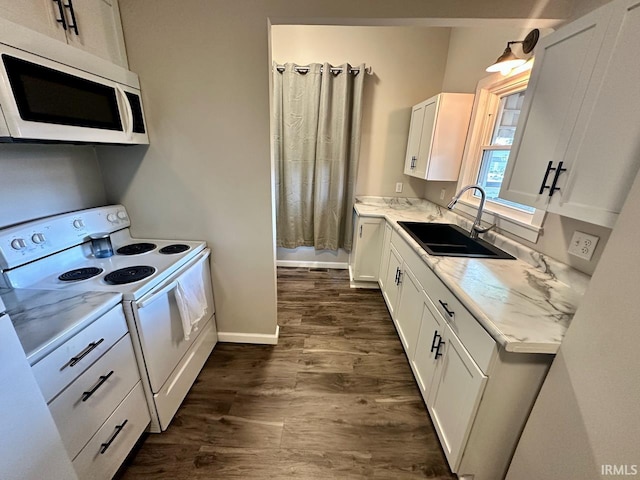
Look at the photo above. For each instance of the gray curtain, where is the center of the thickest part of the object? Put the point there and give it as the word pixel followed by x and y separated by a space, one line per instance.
pixel 316 147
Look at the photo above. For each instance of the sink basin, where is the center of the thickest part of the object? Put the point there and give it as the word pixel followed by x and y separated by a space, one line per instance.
pixel 445 239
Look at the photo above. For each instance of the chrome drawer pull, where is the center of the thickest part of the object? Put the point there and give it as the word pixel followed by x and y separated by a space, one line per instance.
pixel 119 428
pixel 102 379
pixel 446 308
pixel 89 348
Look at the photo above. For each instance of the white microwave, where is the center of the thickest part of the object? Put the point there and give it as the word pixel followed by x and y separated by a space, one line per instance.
pixel 43 100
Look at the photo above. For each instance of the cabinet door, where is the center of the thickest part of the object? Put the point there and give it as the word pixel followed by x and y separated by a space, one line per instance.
pixel 384 258
pixel 604 148
pixel 409 310
pixel 426 138
pixel 563 66
pixel 38 15
pixel 454 399
pixel 413 144
pixel 366 248
pixel 424 359
pixel 391 287
pixel 30 444
pixel 99 30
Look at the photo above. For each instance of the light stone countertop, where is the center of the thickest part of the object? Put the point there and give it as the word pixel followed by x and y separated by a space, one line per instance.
pixel 45 319
pixel 525 304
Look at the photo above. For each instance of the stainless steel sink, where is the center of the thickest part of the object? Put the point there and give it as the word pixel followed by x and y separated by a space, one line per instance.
pixel 445 239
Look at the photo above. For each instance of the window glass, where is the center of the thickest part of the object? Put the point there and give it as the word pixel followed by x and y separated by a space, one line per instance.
pixel 496 152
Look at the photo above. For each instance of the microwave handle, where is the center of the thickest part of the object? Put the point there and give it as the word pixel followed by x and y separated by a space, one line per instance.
pixel 173 281
pixel 125 101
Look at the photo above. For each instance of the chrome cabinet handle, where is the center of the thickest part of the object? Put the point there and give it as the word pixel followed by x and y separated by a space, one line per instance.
pixel 413 162
pixel 397 273
pixel 360 231
pixel 400 273
pixel 101 381
pixel 559 170
pixel 62 19
pixel 105 446
pixel 446 308
pixel 88 349
pixel 74 25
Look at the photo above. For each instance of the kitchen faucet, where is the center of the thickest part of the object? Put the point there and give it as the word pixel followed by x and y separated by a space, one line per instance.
pixel 475 229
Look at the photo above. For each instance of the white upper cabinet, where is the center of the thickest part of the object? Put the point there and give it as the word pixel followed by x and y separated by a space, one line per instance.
pixel 91 25
pixel 38 15
pixel 437 134
pixel 577 145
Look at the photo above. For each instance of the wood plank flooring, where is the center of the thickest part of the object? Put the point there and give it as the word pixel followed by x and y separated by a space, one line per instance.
pixel 335 399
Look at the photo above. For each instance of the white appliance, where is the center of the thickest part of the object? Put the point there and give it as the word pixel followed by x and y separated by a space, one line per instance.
pixel 64 99
pixel 55 253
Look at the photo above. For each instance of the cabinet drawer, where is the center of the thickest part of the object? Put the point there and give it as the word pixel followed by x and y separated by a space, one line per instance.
pixel 58 369
pixel 108 448
pixel 78 413
pixel 475 338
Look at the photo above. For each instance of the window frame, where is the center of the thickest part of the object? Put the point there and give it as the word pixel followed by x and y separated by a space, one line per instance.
pixel 485 108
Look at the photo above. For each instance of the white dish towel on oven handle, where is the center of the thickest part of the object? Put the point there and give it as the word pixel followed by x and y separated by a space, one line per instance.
pixel 191 299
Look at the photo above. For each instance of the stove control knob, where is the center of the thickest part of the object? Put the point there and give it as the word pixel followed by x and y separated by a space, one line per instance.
pixel 78 224
pixel 18 244
pixel 38 238
pixel 122 215
pixel 112 217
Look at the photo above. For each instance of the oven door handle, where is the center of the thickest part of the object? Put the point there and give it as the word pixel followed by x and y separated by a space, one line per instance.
pixel 173 281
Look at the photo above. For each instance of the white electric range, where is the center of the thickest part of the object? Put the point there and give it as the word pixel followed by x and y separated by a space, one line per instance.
pixel 55 253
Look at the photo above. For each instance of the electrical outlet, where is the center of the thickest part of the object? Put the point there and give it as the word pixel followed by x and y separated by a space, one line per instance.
pixel 398 187
pixel 583 245
pixel 442 192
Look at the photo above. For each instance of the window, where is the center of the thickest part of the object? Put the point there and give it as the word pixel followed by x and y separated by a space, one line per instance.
pixel 497 108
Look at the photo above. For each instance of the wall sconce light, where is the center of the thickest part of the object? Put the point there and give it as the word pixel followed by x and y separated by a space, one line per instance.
pixel 508 61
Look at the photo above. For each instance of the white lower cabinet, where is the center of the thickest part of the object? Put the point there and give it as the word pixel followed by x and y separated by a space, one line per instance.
pixel 392 284
pixel 92 386
pixel 455 395
pixel 364 261
pixel 104 453
pixel 478 395
pixel 428 349
pixel 407 318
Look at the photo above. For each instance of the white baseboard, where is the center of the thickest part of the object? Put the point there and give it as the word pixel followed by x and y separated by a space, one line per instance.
pixel 311 264
pixel 259 338
pixel 370 285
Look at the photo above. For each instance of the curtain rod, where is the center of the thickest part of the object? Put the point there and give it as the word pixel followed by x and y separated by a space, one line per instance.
pixel 355 71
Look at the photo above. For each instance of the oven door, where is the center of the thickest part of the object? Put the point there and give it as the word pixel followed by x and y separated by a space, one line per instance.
pixel 43 100
pixel 160 327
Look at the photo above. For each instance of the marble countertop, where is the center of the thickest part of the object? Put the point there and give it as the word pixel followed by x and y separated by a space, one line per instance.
pixel 45 319
pixel 525 304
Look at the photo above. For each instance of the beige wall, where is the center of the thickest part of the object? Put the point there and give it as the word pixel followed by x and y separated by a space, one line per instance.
pixel 408 65
pixel 41 180
pixel 204 69
pixel 587 411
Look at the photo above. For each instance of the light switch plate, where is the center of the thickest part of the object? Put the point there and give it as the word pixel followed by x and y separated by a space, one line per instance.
pixel 583 245
pixel 398 187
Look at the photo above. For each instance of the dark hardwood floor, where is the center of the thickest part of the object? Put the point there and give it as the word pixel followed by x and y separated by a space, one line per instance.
pixel 334 399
